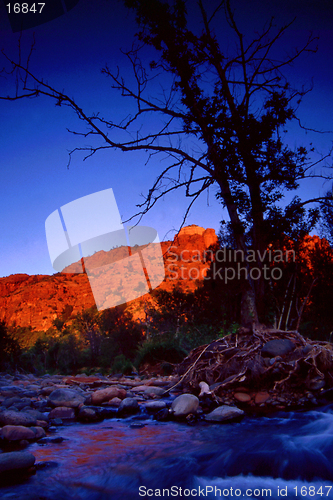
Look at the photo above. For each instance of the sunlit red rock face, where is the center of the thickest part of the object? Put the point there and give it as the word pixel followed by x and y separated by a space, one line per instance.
pixel 35 301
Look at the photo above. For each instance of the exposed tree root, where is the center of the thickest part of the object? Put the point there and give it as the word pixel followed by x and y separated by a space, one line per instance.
pixel 237 363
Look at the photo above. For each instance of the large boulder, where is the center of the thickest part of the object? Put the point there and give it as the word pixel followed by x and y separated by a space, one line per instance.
pixel 17 433
pixel 102 395
pixel 277 347
pixel 65 397
pixel 11 417
pixel 184 404
pixel 16 460
pixel 224 413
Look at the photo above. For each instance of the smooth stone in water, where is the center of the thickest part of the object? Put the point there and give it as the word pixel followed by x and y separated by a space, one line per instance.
pixel 224 413
pixel 155 406
pixel 10 417
pixel 39 432
pixel 129 405
pixel 65 397
pixel 114 402
pixel 102 395
pixel 16 460
pixel 62 412
pixel 38 415
pixel 157 391
pixel 17 432
pixel 87 415
pixel 185 404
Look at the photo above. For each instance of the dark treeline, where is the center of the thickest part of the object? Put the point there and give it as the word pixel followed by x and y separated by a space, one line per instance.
pixel 299 277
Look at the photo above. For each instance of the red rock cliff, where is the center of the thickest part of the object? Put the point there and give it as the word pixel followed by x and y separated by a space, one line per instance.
pixel 35 301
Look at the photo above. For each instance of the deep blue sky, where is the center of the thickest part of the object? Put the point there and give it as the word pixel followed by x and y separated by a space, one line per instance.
pixel 70 52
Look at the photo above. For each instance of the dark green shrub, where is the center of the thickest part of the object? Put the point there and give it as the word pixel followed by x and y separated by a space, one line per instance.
pixel 122 365
pixel 156 351
pixel 9 349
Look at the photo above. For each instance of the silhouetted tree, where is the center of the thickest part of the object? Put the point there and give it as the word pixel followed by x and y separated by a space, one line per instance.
pixel 87 324
pixel 326 209
pixel 232 106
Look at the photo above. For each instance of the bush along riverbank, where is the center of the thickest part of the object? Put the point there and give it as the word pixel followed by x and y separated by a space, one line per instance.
pixel 246 372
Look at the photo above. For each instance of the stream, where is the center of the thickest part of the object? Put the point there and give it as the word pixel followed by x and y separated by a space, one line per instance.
pixel 284 455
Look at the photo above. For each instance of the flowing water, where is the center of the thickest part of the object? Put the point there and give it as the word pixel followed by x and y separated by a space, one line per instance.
pixel 287 455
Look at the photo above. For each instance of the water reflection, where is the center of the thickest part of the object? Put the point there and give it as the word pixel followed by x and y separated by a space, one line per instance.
pixel 111 460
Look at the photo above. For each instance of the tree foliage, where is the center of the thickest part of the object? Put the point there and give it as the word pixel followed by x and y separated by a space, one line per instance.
pixel 9 348
pixel 326 209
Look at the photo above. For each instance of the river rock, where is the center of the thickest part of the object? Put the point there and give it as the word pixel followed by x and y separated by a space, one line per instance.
pixel 65 397
pixel 184 405
pixel 10 417
pixel 11 390
pixel 153 406
pixel 316 383
pixel 46 391
pixel 87 414
pixel 277 347
pixel 129 405
pixel 140 388
pixel 243 397
pixel 42 423
pixel 39 432
pixel 204 389
pixel 38 415
pixel 261 397
pixel 17 432
pixel 102 395
pixel 224 413
pixel 8 402
pixel 16 460
pixel 23 402
pixel 63 412
pixel 113 402
pixel 156 391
